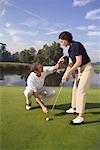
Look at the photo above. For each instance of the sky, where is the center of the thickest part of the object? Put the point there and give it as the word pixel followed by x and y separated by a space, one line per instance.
pixel 33 23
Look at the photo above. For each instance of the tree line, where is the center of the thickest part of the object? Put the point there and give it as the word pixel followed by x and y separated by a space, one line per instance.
pixel 47 55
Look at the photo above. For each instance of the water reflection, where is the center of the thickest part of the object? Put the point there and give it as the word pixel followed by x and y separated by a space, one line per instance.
pixel 18 78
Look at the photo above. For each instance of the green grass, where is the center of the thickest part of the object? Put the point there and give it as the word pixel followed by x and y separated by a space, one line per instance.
pixel 97 67
pixel 12 63
pixel 28 130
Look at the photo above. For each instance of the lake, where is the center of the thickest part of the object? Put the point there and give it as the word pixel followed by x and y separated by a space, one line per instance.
pixel 18 79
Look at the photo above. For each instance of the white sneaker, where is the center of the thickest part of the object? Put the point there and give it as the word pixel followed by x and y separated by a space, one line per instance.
pixel 28 107
pixel 70 111
pixel 77 120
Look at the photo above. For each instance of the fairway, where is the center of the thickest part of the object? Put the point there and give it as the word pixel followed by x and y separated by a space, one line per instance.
pixel 28 130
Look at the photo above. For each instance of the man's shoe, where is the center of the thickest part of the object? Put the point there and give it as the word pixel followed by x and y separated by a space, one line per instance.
pixel 29 107
pixel 70 111
pixel 77 121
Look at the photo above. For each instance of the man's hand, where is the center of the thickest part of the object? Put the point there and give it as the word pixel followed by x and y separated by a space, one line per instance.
pixel 61 60
pixel 59 63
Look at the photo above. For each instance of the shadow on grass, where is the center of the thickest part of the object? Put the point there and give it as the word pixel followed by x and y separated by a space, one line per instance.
pixel 66 106
pixel 92 105
pixel 94 121
pixel 63 107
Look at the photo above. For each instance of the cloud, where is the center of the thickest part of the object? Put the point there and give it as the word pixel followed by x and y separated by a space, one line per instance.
pixel 41 24
pixel 4 2
pixel 89 27
pixel 15 38
pixel 2 12
pixel 92 50
pixel 15 31
pixel 3 5
pixel 93 33
pixel 53 32
pixel 93 15
pixel 89 44
pixel 1 35
pixel 28 12
pixel 81 2
pixel 39 44
pixel 7 25
pixel 94 55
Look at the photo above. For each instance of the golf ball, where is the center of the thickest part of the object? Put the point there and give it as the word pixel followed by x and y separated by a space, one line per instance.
pixel 47 119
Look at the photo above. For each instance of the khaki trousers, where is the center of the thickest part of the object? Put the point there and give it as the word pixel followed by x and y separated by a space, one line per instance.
pixel 81 85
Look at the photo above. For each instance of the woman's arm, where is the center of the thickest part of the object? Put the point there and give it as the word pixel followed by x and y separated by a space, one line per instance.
pixel 71 69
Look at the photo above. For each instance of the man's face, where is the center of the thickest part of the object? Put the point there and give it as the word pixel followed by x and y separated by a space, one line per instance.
pixel 64 42
pixel 40 69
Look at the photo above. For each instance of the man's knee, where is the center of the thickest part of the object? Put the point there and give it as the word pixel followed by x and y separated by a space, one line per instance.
pixel 28 93
pixel 52 92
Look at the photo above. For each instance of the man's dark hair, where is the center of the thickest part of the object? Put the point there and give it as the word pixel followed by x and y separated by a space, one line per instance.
pixel 66 36
pixel 34 66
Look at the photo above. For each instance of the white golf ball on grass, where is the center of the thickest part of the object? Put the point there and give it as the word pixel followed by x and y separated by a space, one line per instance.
pixel 47 119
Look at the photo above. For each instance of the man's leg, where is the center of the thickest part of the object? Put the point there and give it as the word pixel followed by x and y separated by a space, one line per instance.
pixel 28 93
pixel 47 94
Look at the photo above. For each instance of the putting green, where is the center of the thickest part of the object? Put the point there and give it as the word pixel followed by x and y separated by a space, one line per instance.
pixel 28 130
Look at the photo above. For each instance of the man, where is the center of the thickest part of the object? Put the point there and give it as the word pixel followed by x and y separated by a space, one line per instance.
pixel 35 85
pixel 78 59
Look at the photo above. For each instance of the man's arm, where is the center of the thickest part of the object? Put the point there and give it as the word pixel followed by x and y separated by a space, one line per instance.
pixel 38 100
pixel 59 63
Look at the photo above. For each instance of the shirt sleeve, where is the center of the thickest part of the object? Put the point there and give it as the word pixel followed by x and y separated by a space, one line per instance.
pixel 78 49
pixel 31 85
pixel 48 69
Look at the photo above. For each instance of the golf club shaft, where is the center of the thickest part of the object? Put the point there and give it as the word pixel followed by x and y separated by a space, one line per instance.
pixel 56 99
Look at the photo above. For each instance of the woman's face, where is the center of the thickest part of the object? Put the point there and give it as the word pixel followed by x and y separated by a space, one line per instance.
pixel 64 42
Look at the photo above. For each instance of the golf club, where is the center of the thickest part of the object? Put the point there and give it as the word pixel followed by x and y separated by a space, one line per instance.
pixel 50 114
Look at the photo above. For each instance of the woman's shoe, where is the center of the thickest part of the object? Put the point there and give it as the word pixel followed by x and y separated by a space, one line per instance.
pixel 70 111
pixel 77 121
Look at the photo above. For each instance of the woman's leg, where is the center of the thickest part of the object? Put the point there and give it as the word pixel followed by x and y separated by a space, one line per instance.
pixel 84 84
pixel 74 91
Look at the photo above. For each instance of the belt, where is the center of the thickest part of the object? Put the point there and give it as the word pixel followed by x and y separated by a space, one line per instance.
pixel 81 69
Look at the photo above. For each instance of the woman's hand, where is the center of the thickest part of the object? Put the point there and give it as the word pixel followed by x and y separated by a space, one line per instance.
pixel 65 78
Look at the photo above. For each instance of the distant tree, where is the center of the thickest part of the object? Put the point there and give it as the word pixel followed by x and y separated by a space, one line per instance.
pixel 4 54
pixel 49 55
pixel 15 57
pixel 41 57
pixel 32 53
pixel 56 52
pixel 27 55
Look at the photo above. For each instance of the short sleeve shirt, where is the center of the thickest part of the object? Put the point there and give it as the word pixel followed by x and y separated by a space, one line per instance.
pixel 76 49
pixel 34 82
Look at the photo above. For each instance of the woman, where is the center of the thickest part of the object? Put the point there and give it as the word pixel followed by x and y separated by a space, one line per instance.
pixel 78 60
